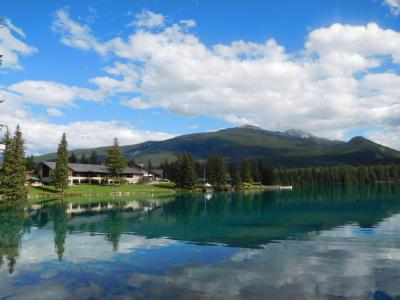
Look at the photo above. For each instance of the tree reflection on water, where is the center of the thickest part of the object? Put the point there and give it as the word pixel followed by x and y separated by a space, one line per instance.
pixel 247 220
pixel 11 232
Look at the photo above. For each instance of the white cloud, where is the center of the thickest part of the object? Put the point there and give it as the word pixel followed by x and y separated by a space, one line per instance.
pixel 74 34
pixel 54 112
pixel 329 88
pixel 14 28
pixel 394 6
pixel 89 247
pixel 52 93
pixel 188 23
pixel 388 136
pixel 136 103
pixel 148 19
pixel 365 41
pixel 113 86
pixel 11 47
pixel 41 136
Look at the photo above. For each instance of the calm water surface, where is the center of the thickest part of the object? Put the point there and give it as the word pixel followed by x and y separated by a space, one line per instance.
pixel 301 244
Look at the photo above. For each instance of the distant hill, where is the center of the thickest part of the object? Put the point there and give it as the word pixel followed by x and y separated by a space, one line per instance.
pixel 290 148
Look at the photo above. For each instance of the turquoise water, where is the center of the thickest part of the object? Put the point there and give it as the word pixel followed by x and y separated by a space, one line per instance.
pixel 301 244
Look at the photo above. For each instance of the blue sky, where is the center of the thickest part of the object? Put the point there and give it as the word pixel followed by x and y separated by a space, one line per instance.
pixel 145 70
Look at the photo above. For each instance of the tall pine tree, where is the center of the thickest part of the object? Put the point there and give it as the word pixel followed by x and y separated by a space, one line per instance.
pixel 13 175
pixel 84 159
pixel 236 180
pixel 72 158
pixel 185 176
pixel 62 171
pixel 216 171
pixel 115 161
pixel 20 163
pixel 246 172
pixel 93 158
pixel 30 163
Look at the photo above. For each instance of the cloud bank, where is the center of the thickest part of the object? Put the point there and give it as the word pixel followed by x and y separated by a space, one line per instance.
pixel 394 6
pixel 341 81
pixel 13 47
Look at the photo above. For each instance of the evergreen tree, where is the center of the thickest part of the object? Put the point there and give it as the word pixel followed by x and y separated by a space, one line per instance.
pixel 13 176
pixel 236 180
pixel 84 159
pixel 255 171
pixel 115 161
pixel 62 171
pixel 149 165
pixel 7 166
pixel 30 163
pixel 169 170
pixel 72 158
pixel 267 175
pixel 185 175
pixel 246 173
pixel 220 172
pixel 216 173
pixel 20 163
pixel 132 163
pixel 211 170
pixel 93 158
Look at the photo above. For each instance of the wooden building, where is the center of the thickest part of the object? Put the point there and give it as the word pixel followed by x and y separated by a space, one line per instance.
pixel 88 173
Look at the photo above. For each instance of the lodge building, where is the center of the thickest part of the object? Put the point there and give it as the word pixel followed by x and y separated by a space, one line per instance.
pixel 88 173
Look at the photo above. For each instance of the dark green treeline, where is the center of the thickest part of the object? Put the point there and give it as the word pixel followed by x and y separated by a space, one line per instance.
pixel 250 172
pixel 346 175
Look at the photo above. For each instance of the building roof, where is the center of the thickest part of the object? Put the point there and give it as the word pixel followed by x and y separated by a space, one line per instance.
pixel 89 168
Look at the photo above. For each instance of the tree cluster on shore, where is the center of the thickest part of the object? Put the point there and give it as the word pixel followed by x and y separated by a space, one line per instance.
pixel 185 170
pixel 13 170
pixel 92 159
pixel 346 175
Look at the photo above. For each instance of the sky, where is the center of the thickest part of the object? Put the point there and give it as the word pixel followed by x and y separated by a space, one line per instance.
pixel 151 70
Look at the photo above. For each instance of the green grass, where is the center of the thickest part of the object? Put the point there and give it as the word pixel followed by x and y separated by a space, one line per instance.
pixel 103 189
pixel 83 200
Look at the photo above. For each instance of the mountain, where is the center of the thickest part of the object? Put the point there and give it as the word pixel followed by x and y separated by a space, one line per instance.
pixel 289 148
pixel 299 133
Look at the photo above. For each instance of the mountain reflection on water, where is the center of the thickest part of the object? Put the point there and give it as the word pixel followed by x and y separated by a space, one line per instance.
pixel 303 244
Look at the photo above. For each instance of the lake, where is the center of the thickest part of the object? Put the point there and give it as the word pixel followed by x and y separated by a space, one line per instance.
pixel 331 243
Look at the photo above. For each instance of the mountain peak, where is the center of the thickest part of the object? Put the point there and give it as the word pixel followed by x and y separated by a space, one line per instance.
pixel 247 126
pixel 299 133
pixel 358 139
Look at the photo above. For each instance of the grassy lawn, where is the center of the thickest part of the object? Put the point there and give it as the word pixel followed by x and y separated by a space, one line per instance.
pixel 85 200
pixel 103 189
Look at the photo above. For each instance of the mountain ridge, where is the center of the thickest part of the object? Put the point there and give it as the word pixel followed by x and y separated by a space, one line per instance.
pixel 293 148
